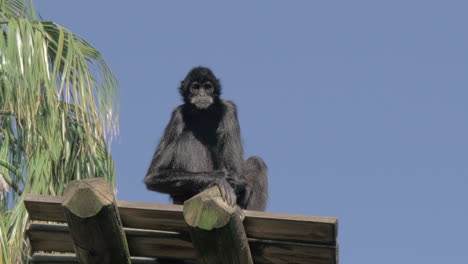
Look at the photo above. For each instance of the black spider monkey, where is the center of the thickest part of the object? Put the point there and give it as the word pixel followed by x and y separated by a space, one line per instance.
pixel 202 147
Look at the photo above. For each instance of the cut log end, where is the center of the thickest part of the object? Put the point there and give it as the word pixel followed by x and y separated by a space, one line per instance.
pixel 207 210
pixel 216 229
pixel 94 222
pixel 86 198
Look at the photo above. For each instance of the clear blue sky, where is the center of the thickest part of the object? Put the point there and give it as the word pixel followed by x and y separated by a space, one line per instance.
pixel 359 108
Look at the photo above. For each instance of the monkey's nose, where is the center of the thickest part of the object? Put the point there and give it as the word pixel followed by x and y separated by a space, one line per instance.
pixel 202 92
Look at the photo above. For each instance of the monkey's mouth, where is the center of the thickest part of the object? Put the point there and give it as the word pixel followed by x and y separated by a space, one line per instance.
pixel 202 102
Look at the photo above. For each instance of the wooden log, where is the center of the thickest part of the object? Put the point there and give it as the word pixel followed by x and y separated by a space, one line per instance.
pixel 216 229
pixel 95 227
pixel 261 225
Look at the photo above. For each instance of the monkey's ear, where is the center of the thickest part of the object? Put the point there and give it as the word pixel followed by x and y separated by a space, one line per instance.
pixel 182 83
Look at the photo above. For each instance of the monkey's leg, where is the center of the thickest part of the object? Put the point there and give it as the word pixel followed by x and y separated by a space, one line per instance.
pixel 257 184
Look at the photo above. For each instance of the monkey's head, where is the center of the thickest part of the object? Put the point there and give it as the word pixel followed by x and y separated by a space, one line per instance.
pixel 200 88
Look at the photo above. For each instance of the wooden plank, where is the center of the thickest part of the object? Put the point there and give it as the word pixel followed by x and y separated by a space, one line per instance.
pixel 215 225
pixel 291 227
pixel 163 244
pixel 48 258
pixel 133 214
pixel 261 225
pixel 146 243
pixel 275 252
pixel 44 207
pixel 50 237
pixel 43 258
pixel 152 216
pixel 94 222
pixel 149 243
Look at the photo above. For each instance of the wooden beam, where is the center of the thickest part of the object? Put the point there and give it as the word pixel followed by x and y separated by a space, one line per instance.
pixel 260 225
pixel 50 237
pixel 291 227
pixel 95 227
pixel 216 229
pixel 44 207
pixel 167 217
pixel 48 258
pixel 268 251
pixel 149 243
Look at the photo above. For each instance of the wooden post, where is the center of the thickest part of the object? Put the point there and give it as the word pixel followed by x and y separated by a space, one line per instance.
pixel 216 229
pixel 95 227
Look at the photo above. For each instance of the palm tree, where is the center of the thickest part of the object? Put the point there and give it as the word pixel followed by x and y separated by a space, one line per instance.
pixel 57 116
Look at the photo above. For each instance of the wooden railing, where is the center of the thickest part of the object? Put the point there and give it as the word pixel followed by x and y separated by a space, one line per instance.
pixel 87 225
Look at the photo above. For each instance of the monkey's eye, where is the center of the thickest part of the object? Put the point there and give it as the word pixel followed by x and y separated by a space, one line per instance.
pixel 194 86
pixel 208 86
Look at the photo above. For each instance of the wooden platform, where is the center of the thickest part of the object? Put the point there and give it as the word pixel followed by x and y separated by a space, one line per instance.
pixel 159 230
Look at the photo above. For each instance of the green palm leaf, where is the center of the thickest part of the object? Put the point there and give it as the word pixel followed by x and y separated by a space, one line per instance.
pixel 57 115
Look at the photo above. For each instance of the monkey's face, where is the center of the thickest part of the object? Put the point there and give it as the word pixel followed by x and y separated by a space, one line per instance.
pixel 201 94
pixel 200 88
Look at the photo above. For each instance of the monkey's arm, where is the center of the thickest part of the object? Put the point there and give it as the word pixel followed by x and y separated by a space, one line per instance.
pixel 162 178
pixel 174 181
pixel 232 153
pixel 179 182
pixel 164 155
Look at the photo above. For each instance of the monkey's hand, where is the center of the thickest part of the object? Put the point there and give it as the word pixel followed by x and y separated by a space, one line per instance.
pixel 233 178
pixel 227 193
pixel 237 184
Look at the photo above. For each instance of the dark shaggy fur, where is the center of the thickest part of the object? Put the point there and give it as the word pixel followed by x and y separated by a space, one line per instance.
pixel 202 147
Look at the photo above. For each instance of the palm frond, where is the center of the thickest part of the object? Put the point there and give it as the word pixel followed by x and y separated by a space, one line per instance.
pixel 57 115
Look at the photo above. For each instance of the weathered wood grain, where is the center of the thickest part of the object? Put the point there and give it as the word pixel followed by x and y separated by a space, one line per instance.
pixel 152 216
pixel 261 225
pixel 264 251
pixel 159 230
pixel 44 207
pixel 48 258
pixel 291 227
pixel 216 229
pixel 149 243
pixel 50 237
pixel 94 223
